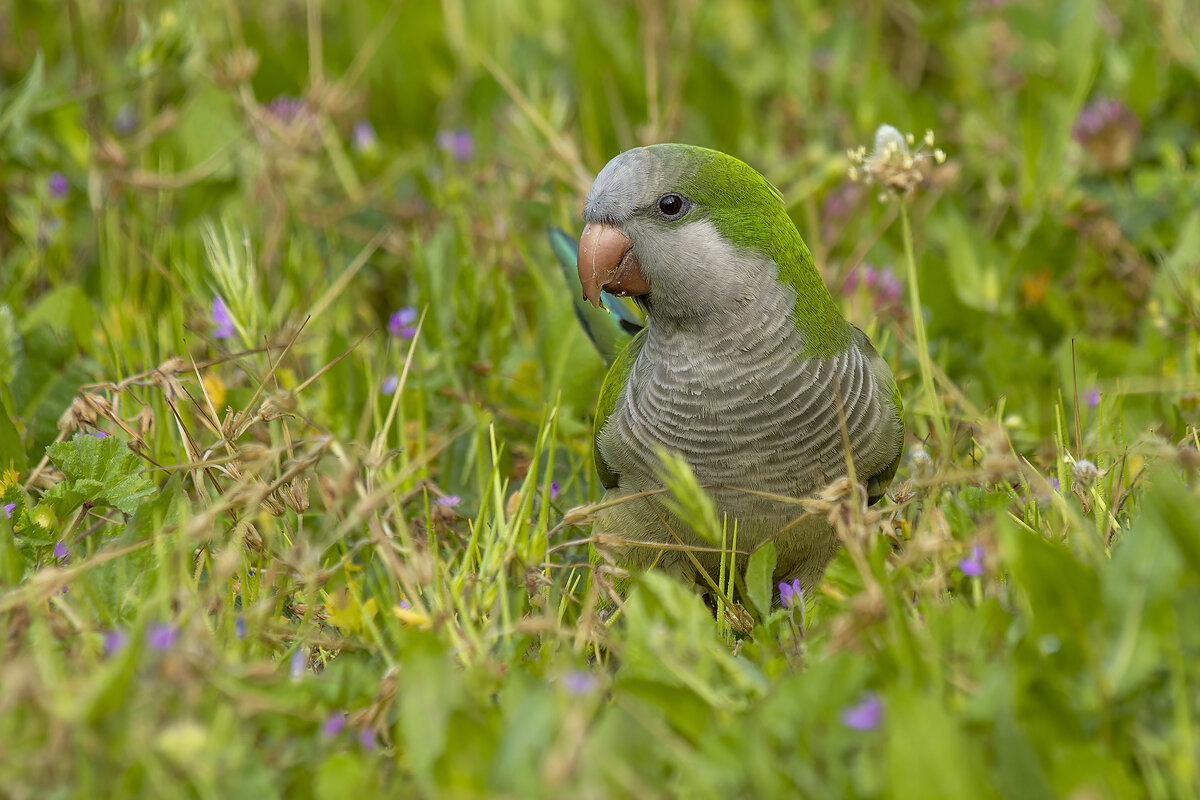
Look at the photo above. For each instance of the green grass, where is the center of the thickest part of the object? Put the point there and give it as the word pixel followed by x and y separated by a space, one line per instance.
pixel 251 589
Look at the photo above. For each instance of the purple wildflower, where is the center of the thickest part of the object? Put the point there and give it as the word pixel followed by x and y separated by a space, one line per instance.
pixel 850 284
pixel 449 501
pixel 405 604
pixel 458 143
pixel 220 316
pixel 1093 398
pixel 239 627
pixel 363 139
pixel 58 184
pixel 1109 131
pixel 972 566
pixel 8 509
pixel 160 637
pixel 62 553
pixel 114 641
pixel 839 204
pixel 1054 483
pixel 99 434
pixel 554 490
pixel 126 120
pixel 888 287
pixel 866 715
pixel 579 682
pixel 333 724
pixel 390 383
pixel 286 108
pixel 400 323
pixel 366 737
pixel 881 284
pixel 790 594
pixel 298 662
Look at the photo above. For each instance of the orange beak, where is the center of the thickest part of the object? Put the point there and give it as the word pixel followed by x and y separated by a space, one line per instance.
pixel 607 263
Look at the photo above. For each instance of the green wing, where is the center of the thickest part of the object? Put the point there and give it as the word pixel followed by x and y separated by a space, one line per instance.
pixel 614 324
pixel 610 392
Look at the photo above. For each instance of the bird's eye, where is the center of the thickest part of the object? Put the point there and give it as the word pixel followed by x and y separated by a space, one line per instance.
pixel 672 205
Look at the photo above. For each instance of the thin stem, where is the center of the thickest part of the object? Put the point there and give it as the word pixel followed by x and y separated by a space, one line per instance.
pixel 936 410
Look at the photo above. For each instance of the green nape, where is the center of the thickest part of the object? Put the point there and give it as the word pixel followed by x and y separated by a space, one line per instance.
pixel 749 211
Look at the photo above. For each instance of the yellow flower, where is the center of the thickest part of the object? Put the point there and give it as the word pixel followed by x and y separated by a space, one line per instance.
pixel 214 387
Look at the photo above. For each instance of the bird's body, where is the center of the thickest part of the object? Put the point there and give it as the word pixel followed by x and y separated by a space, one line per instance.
pixel 741 368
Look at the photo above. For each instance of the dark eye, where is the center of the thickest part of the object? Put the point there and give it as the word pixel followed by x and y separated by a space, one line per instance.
pixel 672 205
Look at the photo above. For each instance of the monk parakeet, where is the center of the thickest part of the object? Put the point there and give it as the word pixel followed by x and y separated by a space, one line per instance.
pixel 738 369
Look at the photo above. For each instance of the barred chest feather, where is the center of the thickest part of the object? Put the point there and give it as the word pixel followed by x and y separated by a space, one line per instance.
pixel 737 400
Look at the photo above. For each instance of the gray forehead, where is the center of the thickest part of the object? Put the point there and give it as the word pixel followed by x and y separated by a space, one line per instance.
pixel 631 181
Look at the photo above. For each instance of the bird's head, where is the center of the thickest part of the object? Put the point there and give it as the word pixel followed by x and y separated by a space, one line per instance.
pixel 690 232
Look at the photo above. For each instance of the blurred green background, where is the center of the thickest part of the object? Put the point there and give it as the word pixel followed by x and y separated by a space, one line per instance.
pixel 206 206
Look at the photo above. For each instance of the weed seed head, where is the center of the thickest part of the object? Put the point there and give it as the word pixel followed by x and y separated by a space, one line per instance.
pixel 897 164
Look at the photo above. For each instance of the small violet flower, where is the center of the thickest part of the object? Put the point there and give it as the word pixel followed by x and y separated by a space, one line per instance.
pixel 866 715
pixel 1109 131
pixel 363 139
pixel 400 323
pixel 160 637
pixel 221 318
pixel 8 509
pixel 126 120
pixel 99 434
pixel 839 204
pixel 790 594
pixel 579 682
pixel 114 641
pixel 1093 398
pixel 62 554
pixel 882 284
pixel 57 184
pixel 554 489
pixel 458 143
pixel 389 384
pixel 239 627
pixel 972 566
pixel 286 108
pixel 333 724
pixel 366 738
pixel 449 501
pixel 298 662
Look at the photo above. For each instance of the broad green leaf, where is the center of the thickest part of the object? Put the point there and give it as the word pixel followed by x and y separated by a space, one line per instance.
pixel 100 470
pixel 760 571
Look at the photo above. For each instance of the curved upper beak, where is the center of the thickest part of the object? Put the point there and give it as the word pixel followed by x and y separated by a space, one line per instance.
pixel 607 263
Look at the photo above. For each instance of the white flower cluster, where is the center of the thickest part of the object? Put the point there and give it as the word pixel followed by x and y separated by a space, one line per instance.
pixel 897 162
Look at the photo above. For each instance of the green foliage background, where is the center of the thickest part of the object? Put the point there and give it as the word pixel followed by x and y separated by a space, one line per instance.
pixel 250 588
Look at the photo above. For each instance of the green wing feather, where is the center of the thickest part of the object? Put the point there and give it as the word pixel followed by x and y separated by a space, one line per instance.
pixel 610 393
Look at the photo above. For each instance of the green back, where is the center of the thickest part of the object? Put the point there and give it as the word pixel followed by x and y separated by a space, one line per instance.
pixel 610 392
